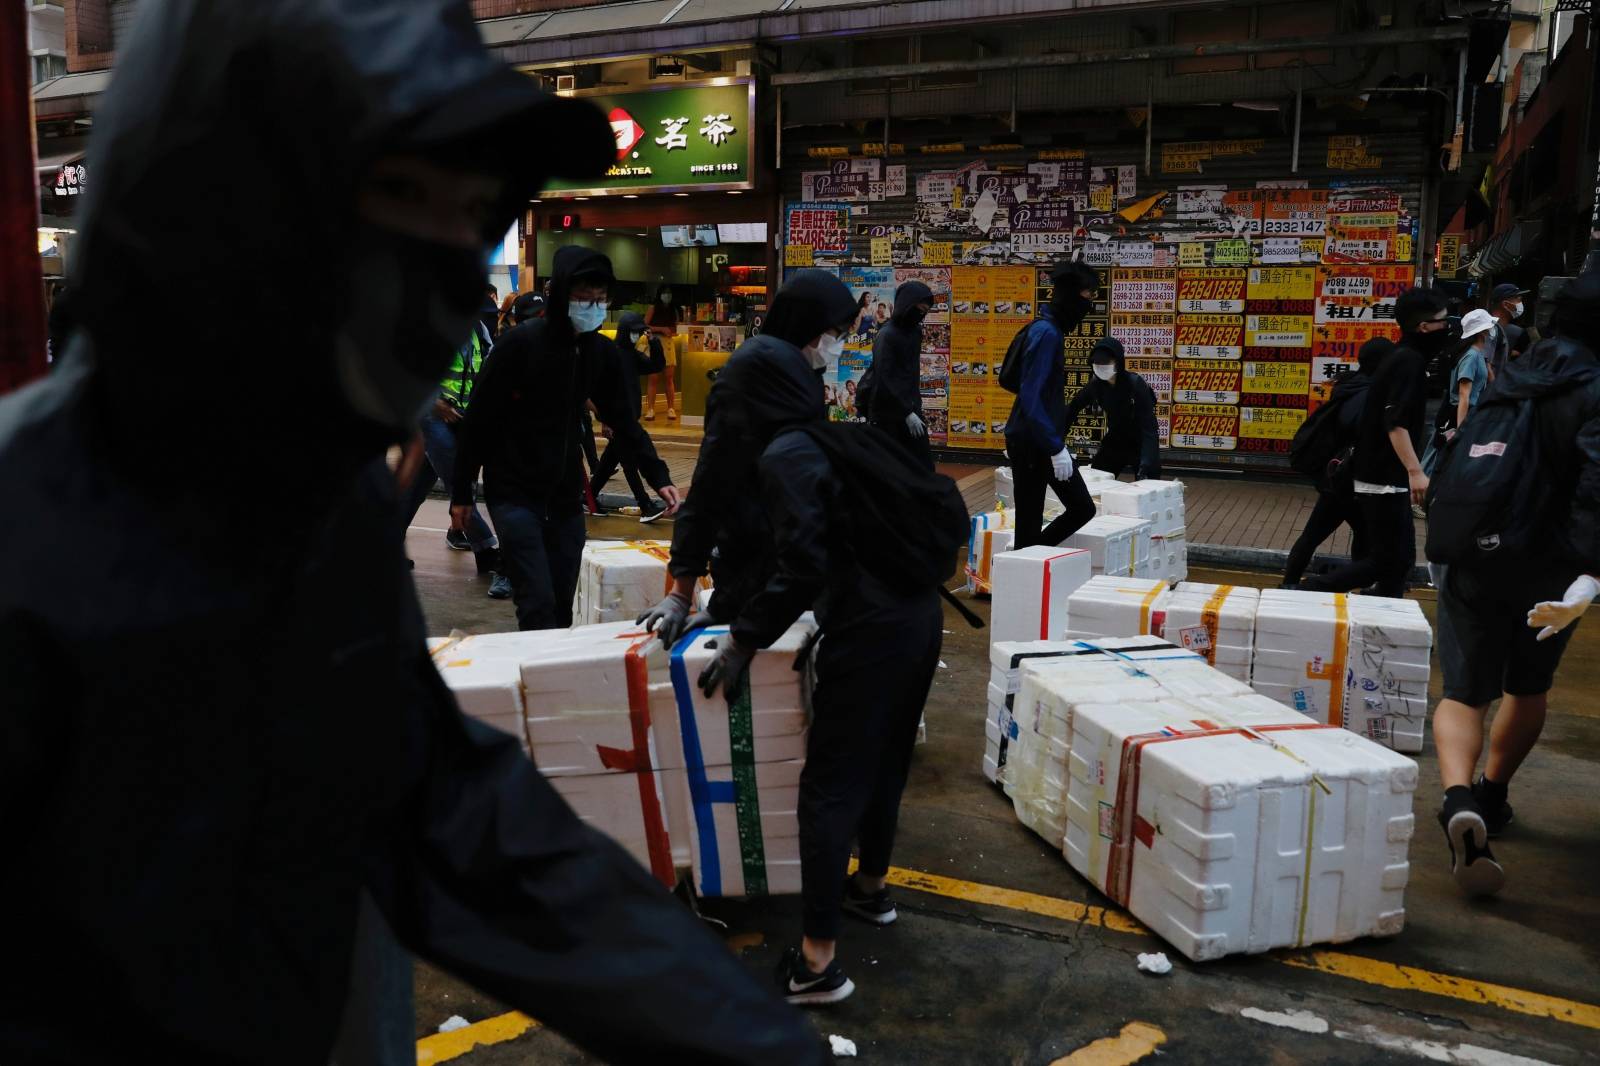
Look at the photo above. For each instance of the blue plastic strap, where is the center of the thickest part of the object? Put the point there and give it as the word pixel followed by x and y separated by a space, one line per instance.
pixel 702 793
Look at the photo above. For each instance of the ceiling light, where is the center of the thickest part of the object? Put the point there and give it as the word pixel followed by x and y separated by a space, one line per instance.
pixel 735 192
pixel 680 194
pixel 630 196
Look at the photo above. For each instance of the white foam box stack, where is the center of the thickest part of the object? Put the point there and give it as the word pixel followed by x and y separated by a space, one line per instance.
pixel 486 682
pixel 1169 556
pixel 619 580
pixel 1158 502
pixel 1217 621
pixel 991 533
pixel 733 772
pixel 1114 543
pixel 1238 831
pixel 1006 659
pixel 1036 774
pixel 1354 661
pixel 1116 607
pixel 1030 591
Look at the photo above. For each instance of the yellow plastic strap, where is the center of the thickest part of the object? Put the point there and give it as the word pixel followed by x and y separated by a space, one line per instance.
pixel 1208 618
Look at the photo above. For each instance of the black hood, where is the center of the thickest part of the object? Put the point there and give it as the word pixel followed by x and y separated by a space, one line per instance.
pixel 809 303
pixel 570 261
pixel 1553 365
pixel 772 386
pixel 631 322
pixel 1114 346
pixel 909 295
pixel 228 152
pixel 1371 354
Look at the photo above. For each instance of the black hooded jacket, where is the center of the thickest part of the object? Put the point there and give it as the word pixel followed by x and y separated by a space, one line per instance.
pixel 637 364
pixel 522 428
pixel 1130 409
pixel 220 721
pixel 767 384
pixel 897 360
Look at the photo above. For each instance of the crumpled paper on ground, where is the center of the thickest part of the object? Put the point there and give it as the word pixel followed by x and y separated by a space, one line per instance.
pixel 1156 963
pixel 842 1048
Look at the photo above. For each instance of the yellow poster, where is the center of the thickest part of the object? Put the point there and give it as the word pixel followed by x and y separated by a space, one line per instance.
pixel 797 255
pixel 1270 423
pixel 1277 379
pixel 1282 283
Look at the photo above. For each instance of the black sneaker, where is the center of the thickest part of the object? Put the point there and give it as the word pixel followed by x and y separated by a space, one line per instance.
pixel 798 985
pixel 1472 864
pixel 457 541
pixel 500 587
pixel 874 907
pixel 1496 816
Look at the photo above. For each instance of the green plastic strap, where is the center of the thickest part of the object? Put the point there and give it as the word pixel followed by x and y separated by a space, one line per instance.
pixel 746 805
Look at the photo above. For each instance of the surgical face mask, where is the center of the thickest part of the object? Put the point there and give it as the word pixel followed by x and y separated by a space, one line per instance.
pixel 586 317
pixel 411 304
pixel 1105 371
pixel 1516 309
pixel 827 350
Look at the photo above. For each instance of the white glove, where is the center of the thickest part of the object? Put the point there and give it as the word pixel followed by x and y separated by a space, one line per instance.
pixel 1061 464
pixel 914 424
pixel 1558 615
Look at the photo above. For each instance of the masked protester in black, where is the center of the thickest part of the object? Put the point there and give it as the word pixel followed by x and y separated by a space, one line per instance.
pixel 639 352
pixel 1133 439
pixel 221 724
pixel 524 429
pixel 773 379
pixel 894 383
pixel 1036 431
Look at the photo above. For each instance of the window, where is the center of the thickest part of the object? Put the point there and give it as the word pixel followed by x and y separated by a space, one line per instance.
pixel 47 66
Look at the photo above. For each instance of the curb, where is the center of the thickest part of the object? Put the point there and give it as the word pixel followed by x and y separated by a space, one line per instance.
pixel 1270 560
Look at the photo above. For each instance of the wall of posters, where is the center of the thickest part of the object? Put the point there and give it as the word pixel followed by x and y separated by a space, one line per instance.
pixel 988 305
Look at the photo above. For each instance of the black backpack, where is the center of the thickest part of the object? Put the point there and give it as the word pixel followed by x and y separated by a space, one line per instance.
pixel 1322 444
pixel 910 523
pixel 1486 500
pixel 864 390
pixel 1010 376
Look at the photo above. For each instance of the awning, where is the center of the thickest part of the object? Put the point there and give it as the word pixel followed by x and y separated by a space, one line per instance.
pixel 70 93
pixel 1505 250
pixel 57 152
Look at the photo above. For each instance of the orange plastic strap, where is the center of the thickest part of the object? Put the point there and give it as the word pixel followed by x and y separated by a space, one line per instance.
pixel 1208 618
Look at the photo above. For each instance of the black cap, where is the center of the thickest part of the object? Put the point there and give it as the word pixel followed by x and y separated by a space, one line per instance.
pixel 527 306
pixel 1504 291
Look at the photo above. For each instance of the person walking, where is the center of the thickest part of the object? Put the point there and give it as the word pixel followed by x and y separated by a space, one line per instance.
pixel 893 384
pixel 1505 621
pixel 662 318
pixel 1133 437
pixel 1505 304
pixel 640 352
pixel 438 429
pixel 524 432
pixel 224 737
pixel 1331 435
pixel 1386 472
pixel 1466 383
pixel 1036 430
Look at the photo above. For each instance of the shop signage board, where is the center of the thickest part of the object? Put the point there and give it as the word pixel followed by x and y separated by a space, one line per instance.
pixel 821 227
pixel 680 138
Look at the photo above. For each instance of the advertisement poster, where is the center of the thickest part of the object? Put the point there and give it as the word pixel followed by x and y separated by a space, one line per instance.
pixel 1206 381
pixel 1360 295
pixel 1207 427
pixel 1268 429
pixel 820 227
pixel 1297 212
pixel 988 305
pixel 935 381
pixel 1334 350
pixel 873 289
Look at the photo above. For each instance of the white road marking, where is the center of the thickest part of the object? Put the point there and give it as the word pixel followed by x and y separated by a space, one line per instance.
pixel 1303 1020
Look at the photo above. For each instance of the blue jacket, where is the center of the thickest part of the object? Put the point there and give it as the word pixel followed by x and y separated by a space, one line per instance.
pixel 1038 422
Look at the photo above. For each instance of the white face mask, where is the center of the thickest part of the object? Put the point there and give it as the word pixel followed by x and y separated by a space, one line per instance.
pixel 1105 371
pixel 828 349
pixel 665 297
pixel 1516 309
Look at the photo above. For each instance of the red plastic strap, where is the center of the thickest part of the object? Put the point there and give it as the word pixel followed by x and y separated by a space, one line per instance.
pixel 638 762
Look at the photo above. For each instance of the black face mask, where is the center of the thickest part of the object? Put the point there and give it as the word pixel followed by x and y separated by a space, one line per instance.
pixel 1069 308
pixel 1430 343
pixel 412 303
pixel 913 316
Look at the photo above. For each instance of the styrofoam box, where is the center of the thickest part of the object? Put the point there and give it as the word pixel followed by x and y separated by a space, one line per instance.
pixel 735 854
pixel 1031 587
pixel 1116 606
pixel 1244 843
pixel 1228 642
pixel 575 684
pixel 1005 494
pixel 1173 551
pixel 1114 543
pixel 988 544
pixel 489 690
pixel 1154 501
pixel 611 804
pixel 1094 478
pixel 618 580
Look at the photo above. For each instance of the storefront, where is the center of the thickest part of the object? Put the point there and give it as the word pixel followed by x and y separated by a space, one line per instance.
pixel 1240 274
pixel 682 214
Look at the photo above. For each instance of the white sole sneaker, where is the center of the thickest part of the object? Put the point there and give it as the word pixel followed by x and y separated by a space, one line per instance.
pixel 821 997
pixel 1474 869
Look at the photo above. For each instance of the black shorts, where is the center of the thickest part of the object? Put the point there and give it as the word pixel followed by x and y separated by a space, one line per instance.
pixel 1486 646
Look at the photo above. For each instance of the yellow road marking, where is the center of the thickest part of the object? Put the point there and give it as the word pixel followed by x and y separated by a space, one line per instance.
pixel 442 1047
pixel 1354 967
pixel 1390 975
pixel 1136 1041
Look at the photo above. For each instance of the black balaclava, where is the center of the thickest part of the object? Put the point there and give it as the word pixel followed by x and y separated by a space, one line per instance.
pixel 1066 305
pixel 808 304
pixel 906 300
pixel 1577 313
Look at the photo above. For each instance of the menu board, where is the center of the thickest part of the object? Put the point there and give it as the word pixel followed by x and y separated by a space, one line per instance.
pixel 988 305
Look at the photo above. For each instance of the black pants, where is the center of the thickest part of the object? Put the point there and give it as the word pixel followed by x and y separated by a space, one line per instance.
pixel 1333 510
pixel 873 678
pixel 1030 476
pixel 919 447
pixel 541 555
pixel 1390 548
pixel 1114 458
pixel 610 459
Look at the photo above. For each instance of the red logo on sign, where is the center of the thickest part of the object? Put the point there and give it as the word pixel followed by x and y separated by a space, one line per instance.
pixel 627 132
